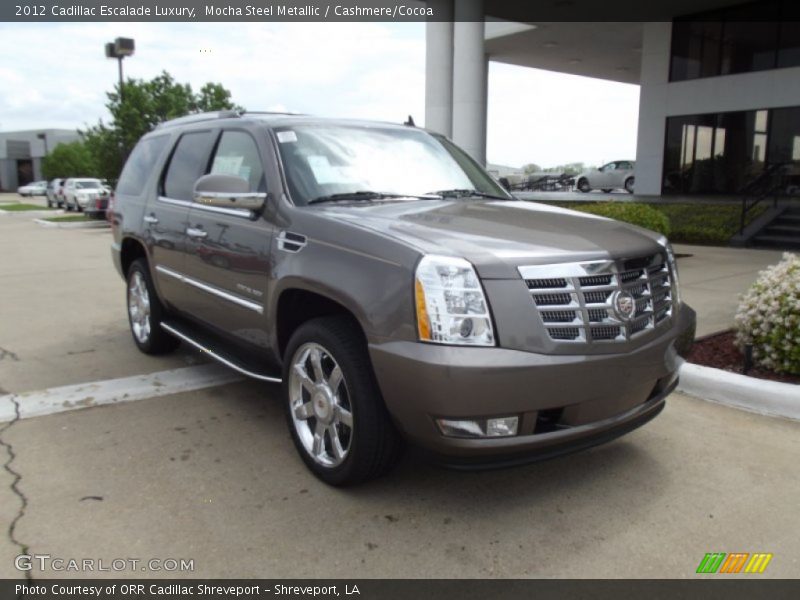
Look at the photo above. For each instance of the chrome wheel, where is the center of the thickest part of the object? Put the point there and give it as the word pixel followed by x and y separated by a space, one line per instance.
pixel 319 405
pixel 139 307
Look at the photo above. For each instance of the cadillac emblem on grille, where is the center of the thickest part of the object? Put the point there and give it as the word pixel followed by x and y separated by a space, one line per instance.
pixel 624 305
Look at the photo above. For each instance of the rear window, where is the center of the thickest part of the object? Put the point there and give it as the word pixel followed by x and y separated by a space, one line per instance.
pixel 140 164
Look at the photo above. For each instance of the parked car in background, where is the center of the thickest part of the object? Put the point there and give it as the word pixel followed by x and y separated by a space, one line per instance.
pixel 54 192
pixel 612 176
pixel 87 195
pixel 37 188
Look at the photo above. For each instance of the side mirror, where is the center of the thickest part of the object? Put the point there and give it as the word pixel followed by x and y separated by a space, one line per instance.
pixel 227 191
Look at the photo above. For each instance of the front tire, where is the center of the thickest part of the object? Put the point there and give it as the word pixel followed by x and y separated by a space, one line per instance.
pixel 145 312
pixel 583 185
pixel 334 408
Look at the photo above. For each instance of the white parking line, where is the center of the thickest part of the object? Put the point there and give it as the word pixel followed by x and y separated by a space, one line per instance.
pixel 113 391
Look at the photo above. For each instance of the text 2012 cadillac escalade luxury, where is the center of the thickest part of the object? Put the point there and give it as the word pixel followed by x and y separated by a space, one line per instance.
pixel 396 291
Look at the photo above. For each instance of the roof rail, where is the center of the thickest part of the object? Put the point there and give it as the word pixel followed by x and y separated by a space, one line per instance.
pixel 199 117
pixel 272 112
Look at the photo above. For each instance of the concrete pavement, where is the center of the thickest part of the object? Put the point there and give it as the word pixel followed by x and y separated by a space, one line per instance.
pixel 713 278
pixel 212 475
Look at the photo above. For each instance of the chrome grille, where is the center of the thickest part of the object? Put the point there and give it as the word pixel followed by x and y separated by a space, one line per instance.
pixel 575 300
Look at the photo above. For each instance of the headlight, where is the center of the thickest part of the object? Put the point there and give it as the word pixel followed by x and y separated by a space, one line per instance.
pixel 451 305
pixel 673 266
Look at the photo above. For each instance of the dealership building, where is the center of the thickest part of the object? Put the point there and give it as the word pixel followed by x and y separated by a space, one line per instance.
pixel 21 154
pixel 719 82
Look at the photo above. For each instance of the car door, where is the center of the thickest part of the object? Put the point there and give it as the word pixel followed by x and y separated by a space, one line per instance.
pixel 166 219
pixel 605 176
pixel 622 172
pixel 228 248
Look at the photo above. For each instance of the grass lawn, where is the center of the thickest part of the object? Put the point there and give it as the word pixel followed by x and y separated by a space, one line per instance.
pixel 710 224
pixel 70 219
pixel 20 206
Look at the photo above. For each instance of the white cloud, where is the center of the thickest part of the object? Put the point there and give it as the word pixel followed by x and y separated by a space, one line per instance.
pixel 56 75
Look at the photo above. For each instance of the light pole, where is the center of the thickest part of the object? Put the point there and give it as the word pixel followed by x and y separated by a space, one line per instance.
pixel 119 49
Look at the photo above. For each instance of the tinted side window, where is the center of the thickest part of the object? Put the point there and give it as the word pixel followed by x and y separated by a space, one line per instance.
pixel 139 165
pixel 187 164
pixel 237 154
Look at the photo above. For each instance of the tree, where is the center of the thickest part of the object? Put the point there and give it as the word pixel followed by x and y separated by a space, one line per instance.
pixel 531 168
pixel 73 159
pixel 570 168
pixel 139 108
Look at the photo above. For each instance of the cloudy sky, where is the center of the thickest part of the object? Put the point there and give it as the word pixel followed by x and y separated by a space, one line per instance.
pixel 56 75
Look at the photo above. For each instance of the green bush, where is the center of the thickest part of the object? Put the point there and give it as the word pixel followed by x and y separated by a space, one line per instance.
pixel 630 212
pixel 769 317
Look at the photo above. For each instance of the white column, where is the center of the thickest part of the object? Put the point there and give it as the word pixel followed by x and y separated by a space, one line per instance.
pixel 469 79
pixel 653 92
pixel 439 69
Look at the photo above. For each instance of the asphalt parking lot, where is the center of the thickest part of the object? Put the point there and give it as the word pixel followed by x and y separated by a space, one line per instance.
pixel 212 476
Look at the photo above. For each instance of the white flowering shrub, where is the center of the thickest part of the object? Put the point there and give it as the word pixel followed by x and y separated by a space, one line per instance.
pixel 769 317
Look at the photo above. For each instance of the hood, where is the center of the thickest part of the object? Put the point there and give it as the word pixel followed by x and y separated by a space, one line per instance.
pixel 498 235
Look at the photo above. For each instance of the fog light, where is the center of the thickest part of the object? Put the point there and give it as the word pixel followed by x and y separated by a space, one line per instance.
pixel 502 427
pixel 479 428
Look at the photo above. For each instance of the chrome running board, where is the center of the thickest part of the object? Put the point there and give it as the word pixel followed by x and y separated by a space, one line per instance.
pixel 225 360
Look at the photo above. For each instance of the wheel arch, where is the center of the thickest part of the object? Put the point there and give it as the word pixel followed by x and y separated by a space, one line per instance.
pixel 131 249
pixel 297 304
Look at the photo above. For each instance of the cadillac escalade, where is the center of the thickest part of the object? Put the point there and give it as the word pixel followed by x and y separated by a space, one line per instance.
pixel 396 292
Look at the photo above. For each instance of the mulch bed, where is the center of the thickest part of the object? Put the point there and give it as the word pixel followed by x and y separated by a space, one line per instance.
pixel 719 351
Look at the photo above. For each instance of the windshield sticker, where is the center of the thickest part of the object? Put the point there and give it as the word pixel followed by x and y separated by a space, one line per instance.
pixel 287 136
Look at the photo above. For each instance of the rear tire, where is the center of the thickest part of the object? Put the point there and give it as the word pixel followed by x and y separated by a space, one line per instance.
pixel 145 312
pixel 583 185
pixel 334 407
pixel 629 185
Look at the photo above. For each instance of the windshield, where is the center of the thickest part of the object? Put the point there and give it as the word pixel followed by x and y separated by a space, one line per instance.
pixel 87 185
pixel 324 160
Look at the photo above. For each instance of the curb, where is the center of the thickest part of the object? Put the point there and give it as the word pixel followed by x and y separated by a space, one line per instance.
pixel 73 224
pixel 770 398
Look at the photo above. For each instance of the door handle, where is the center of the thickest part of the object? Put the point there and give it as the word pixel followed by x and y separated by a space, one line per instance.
pixel 196 233
pixel 152 219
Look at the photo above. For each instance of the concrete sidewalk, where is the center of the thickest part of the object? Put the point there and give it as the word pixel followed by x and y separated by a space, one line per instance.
pixel 713 278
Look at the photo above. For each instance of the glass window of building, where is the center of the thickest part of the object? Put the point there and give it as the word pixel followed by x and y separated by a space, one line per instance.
pixel 723 153
pixel 740 39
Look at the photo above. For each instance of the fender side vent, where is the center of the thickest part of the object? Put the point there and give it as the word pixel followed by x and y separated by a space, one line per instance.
pixel 291 242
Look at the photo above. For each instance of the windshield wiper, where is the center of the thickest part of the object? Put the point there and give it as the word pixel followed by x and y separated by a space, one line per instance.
pixel 466 193
pixel 363 195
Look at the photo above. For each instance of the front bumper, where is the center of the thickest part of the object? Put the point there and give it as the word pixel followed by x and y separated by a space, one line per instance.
pixel 564 402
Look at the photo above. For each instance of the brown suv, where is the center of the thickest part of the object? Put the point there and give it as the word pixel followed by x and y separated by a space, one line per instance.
pixel 396 291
